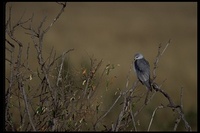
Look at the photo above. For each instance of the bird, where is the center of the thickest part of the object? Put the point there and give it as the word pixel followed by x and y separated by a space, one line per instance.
pixel 142 69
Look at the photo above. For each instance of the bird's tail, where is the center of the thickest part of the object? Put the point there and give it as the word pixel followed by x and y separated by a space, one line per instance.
pixel 148 85
pixel 146 99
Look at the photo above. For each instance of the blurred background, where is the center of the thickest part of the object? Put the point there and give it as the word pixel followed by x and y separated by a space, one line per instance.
pixel 115 31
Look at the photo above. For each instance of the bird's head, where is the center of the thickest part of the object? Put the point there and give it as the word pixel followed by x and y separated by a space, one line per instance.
pixel 138 56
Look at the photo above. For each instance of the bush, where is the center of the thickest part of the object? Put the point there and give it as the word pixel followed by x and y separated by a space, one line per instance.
pixel 54 97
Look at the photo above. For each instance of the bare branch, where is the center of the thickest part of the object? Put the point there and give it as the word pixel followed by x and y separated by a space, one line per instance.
pixel 8 23
pixel 40 26
pixel 57 17
pixel 177 122
pixel 64 53
pixel 19 74
pixel 181 97
pixel 133 119
pixel 92 73
pixel 128 76
pixel 10 43
pixel 159 107
pixel 125 105
pixel 165 47
pixel 60 70
pixel 172 105
pixel 181 115
pixel 21 86
pixel 27 54
pixel 9 61
pixel 19 21
pixel 160 53
pixel 107 111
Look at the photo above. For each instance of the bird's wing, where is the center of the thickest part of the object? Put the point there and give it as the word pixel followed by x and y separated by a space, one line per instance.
pixel 142 69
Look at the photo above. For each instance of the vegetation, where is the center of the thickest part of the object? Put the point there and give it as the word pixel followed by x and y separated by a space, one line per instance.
pixel 55 97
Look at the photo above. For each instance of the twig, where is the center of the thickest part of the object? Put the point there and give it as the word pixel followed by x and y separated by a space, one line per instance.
pixel 10 43
pixel 121 114
pixel 128 76
pixel 17 73
pixel 142 107
pixel 21 86
pixel 19 23
pixel 177 122
pixel 60 70
pixel 181 115
pixel 158 57
pixel 27 55
pixel 60 56
pixel 107 111
pixel 159 107
pixel 55 19
pixel 172 105
pixel 165 47
pixel 181 97
pixel 40 26
pixel 133 119
pixel 8 23
pixel 92 73
pixel 178 108
pixel 8 93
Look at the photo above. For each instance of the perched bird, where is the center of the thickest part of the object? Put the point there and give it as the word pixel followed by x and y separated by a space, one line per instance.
pixel 142 69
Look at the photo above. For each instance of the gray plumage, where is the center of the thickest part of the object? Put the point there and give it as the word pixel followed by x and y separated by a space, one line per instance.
pixel 142 69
